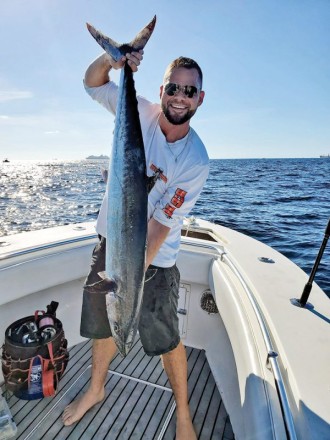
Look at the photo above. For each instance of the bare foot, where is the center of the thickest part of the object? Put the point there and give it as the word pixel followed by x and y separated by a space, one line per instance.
pixel 78 408
pixel 185 429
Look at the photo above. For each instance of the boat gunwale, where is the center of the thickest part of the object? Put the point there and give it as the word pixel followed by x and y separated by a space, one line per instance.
pixel 272 355
pixel 43 247
pixel 217 251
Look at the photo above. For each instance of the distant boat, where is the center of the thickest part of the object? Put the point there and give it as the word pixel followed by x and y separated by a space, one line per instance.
pixel 5 161
pixel 101 156
pixel 325 155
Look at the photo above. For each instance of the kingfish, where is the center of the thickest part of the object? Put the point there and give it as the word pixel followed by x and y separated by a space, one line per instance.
pixel 127 202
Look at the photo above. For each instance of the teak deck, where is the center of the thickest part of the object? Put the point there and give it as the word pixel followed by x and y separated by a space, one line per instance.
pixel 139 402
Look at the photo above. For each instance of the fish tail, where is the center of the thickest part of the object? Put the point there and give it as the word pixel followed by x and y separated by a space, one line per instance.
pixel 117 51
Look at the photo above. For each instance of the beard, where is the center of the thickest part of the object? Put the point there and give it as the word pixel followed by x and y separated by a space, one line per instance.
pixel 177 119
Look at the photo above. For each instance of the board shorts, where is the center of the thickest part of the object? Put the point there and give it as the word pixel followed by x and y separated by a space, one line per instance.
pixel 158 326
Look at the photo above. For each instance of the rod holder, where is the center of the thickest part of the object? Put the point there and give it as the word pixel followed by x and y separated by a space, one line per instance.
pixel 302 302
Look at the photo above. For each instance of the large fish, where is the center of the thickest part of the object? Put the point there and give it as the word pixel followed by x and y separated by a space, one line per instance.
pixel 127 201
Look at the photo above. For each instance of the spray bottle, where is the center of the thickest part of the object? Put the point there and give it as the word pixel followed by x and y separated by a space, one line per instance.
pixel 8 428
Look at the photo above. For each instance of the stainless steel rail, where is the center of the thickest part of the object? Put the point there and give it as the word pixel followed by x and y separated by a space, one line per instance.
pixel 272 356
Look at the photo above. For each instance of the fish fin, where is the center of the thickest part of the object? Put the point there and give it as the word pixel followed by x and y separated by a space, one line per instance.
pixel 151 180
pixel 115 50
pixel 108 284
pixel 102 275
pixel 150 274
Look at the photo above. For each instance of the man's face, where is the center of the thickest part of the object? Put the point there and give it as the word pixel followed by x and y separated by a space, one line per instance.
pixel 179 107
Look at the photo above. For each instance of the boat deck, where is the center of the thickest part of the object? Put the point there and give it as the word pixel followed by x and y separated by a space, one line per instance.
pixel 139 402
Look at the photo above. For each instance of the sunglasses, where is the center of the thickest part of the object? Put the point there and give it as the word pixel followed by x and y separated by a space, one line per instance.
pixel 171 89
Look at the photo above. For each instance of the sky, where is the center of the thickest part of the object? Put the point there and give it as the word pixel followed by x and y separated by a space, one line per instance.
pixel 266 68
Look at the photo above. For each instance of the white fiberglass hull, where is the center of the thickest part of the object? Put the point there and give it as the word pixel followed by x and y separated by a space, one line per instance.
pixel 256 319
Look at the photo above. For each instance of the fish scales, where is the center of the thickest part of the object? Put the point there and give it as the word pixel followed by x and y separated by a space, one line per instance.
pixel 127 203
pixel 127 216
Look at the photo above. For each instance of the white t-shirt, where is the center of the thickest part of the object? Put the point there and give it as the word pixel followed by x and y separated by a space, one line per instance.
pixel 183 167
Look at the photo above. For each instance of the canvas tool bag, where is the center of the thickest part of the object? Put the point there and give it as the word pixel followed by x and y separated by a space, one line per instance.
pixel 32 369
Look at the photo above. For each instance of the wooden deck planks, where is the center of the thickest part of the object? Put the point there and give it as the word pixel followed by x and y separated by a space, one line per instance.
pixel 137 403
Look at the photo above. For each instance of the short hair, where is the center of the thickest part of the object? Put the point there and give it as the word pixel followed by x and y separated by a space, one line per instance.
pixel 187 63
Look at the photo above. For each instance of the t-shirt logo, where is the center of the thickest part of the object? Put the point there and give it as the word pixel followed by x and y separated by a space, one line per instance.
pixel 158 172
pixel 176 202
pixel 178 198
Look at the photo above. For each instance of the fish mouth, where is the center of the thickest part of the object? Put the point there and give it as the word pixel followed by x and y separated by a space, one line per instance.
pixel 123 349
pixel 123 330
pixel 124 342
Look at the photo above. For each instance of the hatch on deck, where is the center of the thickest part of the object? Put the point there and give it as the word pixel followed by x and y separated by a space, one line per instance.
pixel 200 234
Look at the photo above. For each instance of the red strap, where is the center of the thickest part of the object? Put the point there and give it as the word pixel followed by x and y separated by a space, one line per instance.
pixel 48 373
pixel 50 350
pixel 48 379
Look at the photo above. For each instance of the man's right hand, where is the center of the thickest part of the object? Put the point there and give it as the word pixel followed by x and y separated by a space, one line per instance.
pixel 133 60
pixel 97 73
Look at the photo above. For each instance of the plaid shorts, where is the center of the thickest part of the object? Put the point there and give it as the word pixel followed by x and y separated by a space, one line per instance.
pixel 158 326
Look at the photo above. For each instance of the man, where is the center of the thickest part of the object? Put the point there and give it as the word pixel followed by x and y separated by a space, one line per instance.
pixel 177 158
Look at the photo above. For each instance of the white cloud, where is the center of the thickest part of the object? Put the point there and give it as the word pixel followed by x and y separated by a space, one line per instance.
pixel 11 95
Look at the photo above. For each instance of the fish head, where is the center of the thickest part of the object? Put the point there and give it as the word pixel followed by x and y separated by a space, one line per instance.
pixel 123 326
pixel 124 340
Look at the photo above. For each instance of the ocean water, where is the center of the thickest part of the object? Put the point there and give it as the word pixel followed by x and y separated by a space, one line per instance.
pixel 284 203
